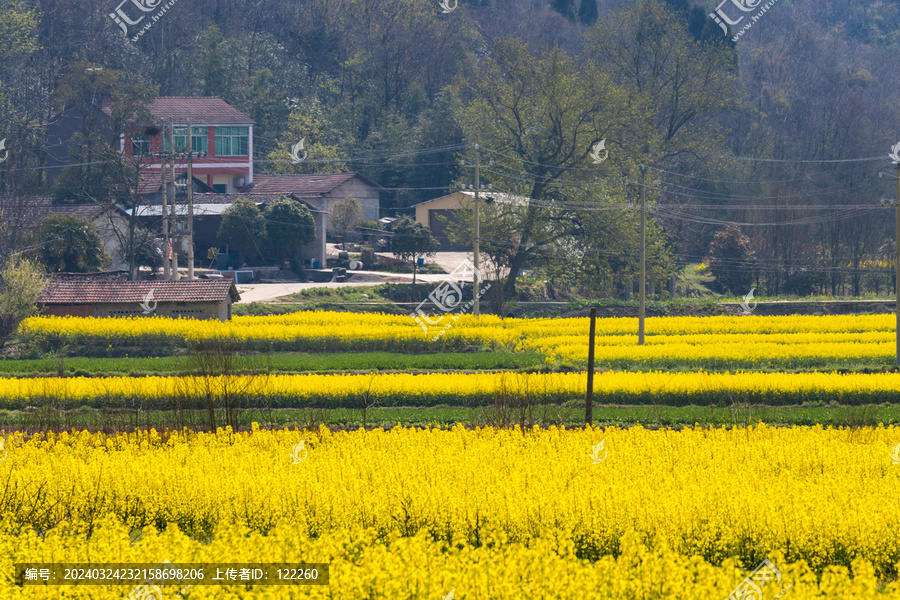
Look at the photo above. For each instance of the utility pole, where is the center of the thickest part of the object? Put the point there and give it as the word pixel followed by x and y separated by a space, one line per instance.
pixel 173 213
pixel 167 244
pixel 589 398
pixel 476 310
pixel 643 282
pixel 190 192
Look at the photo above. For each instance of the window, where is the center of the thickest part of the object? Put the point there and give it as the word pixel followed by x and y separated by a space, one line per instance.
pixel 198 139
pixel 221 188
pixel 232 141
pixel 140 147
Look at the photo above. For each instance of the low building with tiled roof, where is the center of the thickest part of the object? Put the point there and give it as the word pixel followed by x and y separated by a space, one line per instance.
pixel 322 191
pixel 27 214
pixel 101 296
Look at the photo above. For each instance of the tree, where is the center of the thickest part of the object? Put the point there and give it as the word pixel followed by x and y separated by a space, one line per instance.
pixel 680 84
pixel 566 8
pixel 587 12
pixel 369 230
pixel 539 118
pixel 731 259
pixel 344 215
pixel 71 244
pixel 100 173
pixel 410 240
pixel 309 123
pixel 243 227
pixel 21 283
pixel 289 225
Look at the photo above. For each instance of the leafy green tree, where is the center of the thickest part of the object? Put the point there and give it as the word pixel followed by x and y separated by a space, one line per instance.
pixel 17 23
pixel 100 173
pixel 269 108
pixel 71 244
pixel 539 118
pixel 344 215
pixel 321 143
pixel 289 225
pixel 243 227
pixel 410 240
pixel 565 7
pixel 731 260
pixel 140 248
pixel 587 12
pixel 369 230
pixel 214 64
pixel 436 128
pixel 679 83
pixel 21 283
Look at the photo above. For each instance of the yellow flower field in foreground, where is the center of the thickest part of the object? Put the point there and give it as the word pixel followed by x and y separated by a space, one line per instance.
pixel 429 389
pixel 826 497
pixel 418 568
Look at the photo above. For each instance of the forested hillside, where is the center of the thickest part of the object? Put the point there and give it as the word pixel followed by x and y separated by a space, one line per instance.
pixel 783 131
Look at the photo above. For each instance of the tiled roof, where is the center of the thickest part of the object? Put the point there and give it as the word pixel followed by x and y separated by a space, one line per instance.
pixel 231 198
pixel 23 211
pixel 89 211
pixel 151 183
pixel 208 110
pixel 303 186
pixel 65 290
pixel 30 211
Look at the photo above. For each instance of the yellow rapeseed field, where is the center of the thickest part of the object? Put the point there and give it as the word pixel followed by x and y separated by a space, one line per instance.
pixel 489 514
pixel 696 342
pixel 429 389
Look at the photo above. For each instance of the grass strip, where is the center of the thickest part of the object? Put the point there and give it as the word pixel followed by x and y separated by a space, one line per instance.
pixel 280 363
pixel 567 415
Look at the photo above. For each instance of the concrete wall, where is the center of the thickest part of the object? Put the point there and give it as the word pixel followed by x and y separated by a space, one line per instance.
pixel 316 249
pixel 368 198
pixel 452 202
pixel 107 227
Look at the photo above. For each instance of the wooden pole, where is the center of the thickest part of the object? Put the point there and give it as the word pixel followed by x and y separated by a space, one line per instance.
pixel 589 398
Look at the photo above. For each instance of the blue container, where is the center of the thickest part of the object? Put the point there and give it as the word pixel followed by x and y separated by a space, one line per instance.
pixel 421 261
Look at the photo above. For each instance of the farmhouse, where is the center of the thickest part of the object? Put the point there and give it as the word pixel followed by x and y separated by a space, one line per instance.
pixel 209 209
pixel 323 191
pixel 438 213
pixel 92 296
pixel 221 138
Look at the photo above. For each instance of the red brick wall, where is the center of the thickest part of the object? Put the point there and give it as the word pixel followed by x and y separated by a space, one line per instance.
pixel 69 310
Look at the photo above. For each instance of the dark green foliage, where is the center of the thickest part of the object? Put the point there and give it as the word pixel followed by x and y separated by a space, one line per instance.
pixel 565 7
pixel 731 260
pixel 410 240
pixel 289 225
pixel 243 227
pixel 587 12
pixel 71 244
